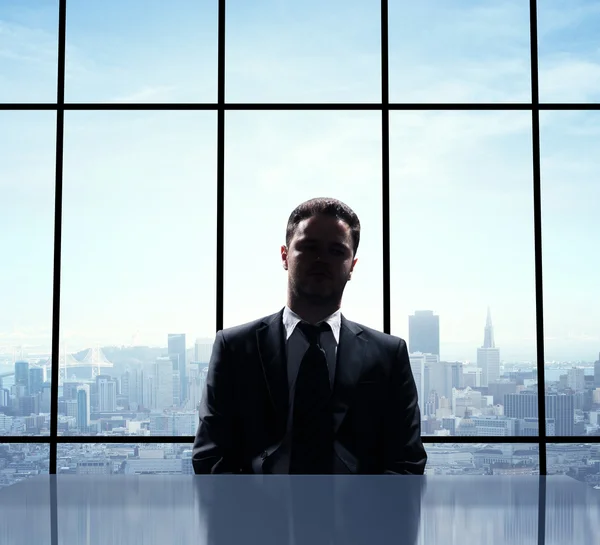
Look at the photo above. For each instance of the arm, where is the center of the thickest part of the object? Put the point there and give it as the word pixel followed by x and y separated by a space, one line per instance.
pixel 403 448
pixel 214 448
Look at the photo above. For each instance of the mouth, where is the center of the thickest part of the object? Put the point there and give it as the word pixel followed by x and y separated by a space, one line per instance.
pixel 320 274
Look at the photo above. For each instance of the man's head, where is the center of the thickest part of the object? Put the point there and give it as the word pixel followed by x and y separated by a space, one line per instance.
pixel 322 238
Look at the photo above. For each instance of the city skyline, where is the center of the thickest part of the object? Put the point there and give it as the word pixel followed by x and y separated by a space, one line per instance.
pixel 449 352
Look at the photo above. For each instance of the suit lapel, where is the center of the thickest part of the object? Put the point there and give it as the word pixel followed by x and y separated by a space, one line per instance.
pixel 350 360
pixel 348 369
pixel 271 348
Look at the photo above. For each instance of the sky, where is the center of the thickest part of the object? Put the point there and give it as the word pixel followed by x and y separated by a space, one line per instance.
pixel 139 217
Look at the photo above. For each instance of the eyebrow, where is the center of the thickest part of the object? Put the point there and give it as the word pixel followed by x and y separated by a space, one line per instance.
pixel 339 244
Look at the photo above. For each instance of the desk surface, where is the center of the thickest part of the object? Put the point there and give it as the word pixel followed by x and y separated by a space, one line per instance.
pixel 292 510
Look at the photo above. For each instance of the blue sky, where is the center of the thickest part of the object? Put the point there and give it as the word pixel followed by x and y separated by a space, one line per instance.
pixel 139 187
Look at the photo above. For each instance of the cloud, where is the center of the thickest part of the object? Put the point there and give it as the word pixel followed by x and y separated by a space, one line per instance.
pixel 567 78
pixel 23 43
pixel 159 93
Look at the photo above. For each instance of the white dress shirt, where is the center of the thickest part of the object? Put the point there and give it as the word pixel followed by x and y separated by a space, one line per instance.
pixel 296 346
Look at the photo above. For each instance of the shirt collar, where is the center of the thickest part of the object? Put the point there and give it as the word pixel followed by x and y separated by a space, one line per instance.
pixel 291 320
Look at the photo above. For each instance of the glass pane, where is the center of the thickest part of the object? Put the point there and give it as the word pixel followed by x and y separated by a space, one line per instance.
pixel 462 266
pixel 19 461
pixel 482 459
pixel 569 50
pixel 138 273
pixel 28 50
pixel 24 507
pixel 168 55
pixel 580 461
pixel 118 507
pixel 276 161
pixel 498 509
pixel 27 169
pixel 570 147
pixel 459 51
pixel 573 500
pixel 307 51
pixel 125 459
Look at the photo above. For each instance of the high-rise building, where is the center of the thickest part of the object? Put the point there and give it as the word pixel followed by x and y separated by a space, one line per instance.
pixel 559 407
pixel 107 393
pixel 202 351
pixel 83 408
pixel 444 376
pixel 177 354
pixel 22 375
pixel 28 405
pixel 36 380
pixel 597 372
pixel 177 389
pixel 471 376
pixel 488 356
pixel 576 379
pixel 45 398
pixel 499 388
pixel 70 390
pixel 163 383
pixel 421 365
pixel 424 332
pixel 126 384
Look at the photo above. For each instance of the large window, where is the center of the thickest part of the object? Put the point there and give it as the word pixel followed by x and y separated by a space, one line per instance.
pixel 147 172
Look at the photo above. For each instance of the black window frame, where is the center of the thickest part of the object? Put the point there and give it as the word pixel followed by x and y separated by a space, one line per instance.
pixel 221 106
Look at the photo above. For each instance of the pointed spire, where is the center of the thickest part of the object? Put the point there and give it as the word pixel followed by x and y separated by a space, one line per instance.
pixel 488 338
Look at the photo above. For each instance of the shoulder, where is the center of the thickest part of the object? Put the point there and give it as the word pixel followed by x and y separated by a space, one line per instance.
pixel 241 332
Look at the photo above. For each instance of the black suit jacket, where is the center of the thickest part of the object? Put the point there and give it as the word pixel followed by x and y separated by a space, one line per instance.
pixel 244 409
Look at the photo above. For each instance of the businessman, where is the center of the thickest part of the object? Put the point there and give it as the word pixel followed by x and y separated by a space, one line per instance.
pixel 305 390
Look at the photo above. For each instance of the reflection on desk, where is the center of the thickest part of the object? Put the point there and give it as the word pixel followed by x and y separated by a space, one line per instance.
pixel 295 510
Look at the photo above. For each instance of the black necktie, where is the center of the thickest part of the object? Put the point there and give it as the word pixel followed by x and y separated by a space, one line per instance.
pixel 312 425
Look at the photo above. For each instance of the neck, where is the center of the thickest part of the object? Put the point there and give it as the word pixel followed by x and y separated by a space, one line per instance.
pixel 311 313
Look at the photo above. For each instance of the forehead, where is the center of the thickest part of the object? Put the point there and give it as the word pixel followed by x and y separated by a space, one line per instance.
pixel 323 228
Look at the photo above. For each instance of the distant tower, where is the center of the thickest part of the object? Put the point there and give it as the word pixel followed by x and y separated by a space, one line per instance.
pixel 424 332
pixel 488 356
pixel 177 353
pixel 22 375
pixel 488 338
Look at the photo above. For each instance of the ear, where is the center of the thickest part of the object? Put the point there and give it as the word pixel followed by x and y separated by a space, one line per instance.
pixel 352 268
pixel 284 257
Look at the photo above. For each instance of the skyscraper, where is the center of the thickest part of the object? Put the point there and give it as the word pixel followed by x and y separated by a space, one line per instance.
pixel 107 393
pixel 177 355
pixel 36 380
pixel 22 375
pixel 597 373
pixel 83 408
pixel 488 356
pixel 163 384
pixel 202 350
pixel 421 365
pixel 576 379
pixel 559 408
pixel 424 332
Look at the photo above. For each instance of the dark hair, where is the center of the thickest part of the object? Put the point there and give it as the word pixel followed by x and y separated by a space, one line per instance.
pixel 329 207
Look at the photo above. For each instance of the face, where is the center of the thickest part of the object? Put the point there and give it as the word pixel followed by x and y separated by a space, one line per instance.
pixel 319 260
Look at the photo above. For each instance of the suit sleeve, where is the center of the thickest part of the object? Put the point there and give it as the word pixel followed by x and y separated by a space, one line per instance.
pixel 215 445
pixel 403 449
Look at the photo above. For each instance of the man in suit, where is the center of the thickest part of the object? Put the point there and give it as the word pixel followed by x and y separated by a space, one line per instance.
pixel 305 390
